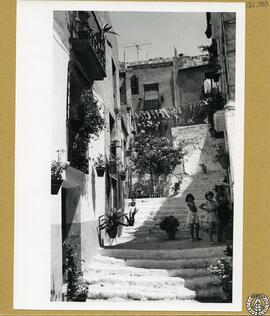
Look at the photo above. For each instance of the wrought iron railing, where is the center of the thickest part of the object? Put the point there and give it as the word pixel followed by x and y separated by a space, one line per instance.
pixel 84 25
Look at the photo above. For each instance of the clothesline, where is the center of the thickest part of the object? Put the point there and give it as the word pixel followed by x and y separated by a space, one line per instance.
pixel 167 113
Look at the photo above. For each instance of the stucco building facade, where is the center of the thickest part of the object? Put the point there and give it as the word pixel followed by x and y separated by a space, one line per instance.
pixel 221 28
pixel 85 59
pixel 164 89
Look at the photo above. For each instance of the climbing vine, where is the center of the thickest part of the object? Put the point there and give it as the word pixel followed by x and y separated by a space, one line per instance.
pixel 91 123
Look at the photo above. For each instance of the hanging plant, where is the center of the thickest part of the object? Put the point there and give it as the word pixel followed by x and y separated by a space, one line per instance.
pixel 91 124
pixel 100 164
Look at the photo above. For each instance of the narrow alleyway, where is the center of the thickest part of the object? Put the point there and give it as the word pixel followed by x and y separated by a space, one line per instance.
pixel 143 264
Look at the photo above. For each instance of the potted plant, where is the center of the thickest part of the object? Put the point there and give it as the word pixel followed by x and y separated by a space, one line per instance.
pixel 81 291
pixel 57 168
pixel 130 217
pixel 110 223
pixel 100 165
pixel 223 270
pixel 169 224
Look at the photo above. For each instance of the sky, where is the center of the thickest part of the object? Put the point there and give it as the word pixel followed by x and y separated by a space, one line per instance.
pixel 164 30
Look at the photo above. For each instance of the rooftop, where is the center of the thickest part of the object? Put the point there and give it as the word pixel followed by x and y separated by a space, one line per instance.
pixel 181 62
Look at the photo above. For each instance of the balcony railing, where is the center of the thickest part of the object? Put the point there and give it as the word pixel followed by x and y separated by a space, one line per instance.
pixel 88 44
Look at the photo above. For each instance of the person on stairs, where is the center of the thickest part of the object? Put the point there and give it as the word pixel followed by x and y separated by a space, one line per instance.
pixel 210 206
pixel 223 210
pixel 193 219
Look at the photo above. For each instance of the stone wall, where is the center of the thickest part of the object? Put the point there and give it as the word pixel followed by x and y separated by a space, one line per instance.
pixel 199 147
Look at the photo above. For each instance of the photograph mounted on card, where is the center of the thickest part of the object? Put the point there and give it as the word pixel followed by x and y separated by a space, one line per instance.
pixel 145 112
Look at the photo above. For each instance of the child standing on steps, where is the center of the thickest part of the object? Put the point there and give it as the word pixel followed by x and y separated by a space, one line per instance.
pixel 193 219
pixel 210 206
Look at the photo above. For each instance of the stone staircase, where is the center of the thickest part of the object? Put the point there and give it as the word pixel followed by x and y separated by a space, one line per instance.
pixel 143 264
pixel 153 210
pixel 154 275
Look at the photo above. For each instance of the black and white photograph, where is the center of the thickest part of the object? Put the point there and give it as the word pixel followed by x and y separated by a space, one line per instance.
pixel 144 145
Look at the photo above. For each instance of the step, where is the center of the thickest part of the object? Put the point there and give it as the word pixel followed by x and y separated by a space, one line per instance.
pixel 155 233
pixel 172 264
pixel 181 213
pixel 145 303
pixel 181 205
pixel 202 282
pixel 148 281
pixel 153 220
pixel 170 254
pixel 214 292
pixel 159 264
pixel 110 270
pixel 139 293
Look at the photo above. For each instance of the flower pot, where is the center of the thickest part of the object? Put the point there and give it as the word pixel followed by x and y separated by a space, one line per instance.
pixel 113 169
pixel 55 186
pixel 224 161
pixel 100 171
pixel 139 192
pixel 112 232
pixel 171 234
pixel 123 176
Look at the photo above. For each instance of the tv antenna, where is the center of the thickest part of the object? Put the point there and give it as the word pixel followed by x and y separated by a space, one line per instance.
pixel 137 45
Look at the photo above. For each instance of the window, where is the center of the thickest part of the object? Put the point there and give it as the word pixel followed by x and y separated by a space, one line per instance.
pixel 151 97
pixel 134 82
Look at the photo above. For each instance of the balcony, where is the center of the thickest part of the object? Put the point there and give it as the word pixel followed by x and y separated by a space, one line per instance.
pixel 88 45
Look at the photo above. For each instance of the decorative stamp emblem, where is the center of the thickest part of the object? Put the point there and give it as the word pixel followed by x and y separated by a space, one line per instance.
pixel 257 304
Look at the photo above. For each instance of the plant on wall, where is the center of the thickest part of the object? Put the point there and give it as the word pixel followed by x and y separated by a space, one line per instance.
pixel 101 36
pixel 77 288
pixel 100 164
pixel 57 169
pixel 91 124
